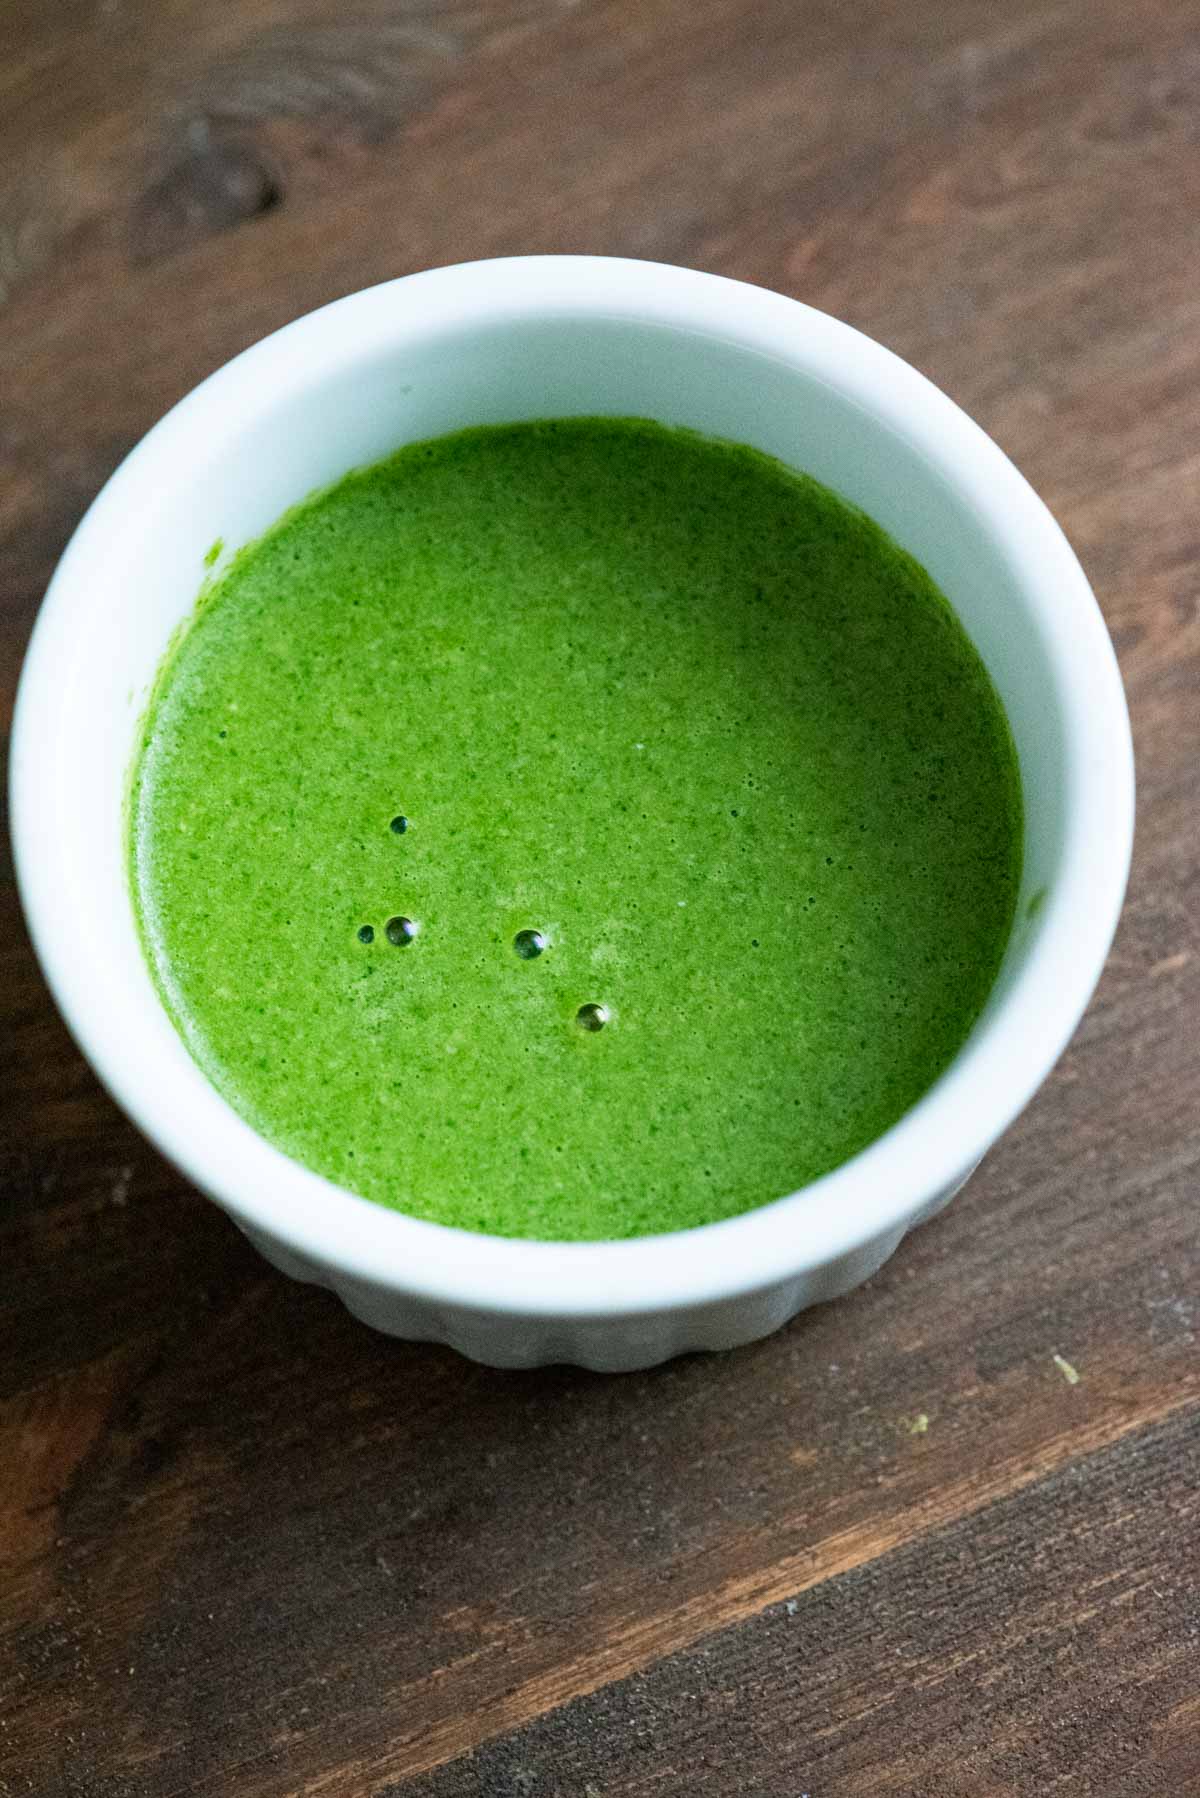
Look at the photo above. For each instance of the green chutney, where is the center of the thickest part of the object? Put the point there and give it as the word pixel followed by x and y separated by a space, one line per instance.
pixel 576 829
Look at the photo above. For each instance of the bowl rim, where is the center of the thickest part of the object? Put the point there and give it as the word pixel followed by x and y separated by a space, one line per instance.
pixel 934 1145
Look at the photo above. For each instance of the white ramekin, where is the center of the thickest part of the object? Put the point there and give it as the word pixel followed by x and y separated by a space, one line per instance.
pixel 526 338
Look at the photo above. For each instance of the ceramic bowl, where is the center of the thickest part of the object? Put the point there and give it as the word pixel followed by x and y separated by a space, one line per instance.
pixel 527 338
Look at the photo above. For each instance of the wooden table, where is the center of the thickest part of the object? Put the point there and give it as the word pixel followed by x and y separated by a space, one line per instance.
pixel 247 1546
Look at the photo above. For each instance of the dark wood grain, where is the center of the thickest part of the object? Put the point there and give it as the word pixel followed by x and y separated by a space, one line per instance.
pixel 246 1547
pixel 936 1670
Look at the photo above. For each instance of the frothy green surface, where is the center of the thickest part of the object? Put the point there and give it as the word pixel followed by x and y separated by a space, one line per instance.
pixel 686 714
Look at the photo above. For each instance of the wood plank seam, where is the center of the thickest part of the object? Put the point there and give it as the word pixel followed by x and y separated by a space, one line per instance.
pixel 631 1649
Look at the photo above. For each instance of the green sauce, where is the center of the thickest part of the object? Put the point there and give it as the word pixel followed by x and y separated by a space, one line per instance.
pixel 687 716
